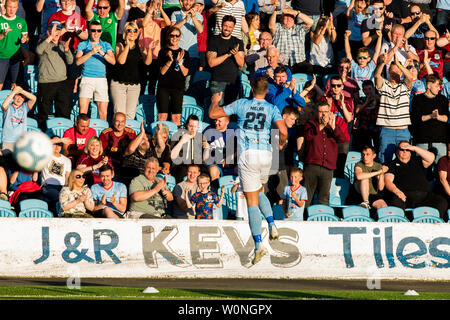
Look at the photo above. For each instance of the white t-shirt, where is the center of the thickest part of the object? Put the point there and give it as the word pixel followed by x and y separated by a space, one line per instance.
pixel 55 172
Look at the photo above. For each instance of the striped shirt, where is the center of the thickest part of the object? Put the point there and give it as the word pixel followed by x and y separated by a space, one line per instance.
pixel 291 42
pixel 394 105
pixel 236 10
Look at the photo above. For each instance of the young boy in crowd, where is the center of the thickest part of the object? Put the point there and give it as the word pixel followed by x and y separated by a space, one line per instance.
pixel 205 199
pixel 364 67
pixel 15 110
pixel 294 196
pixel 365 131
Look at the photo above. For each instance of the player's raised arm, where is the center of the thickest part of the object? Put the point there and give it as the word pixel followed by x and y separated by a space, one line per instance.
pixel 216 111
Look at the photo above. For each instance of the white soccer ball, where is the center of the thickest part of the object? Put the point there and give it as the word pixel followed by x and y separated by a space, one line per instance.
pixel 33 151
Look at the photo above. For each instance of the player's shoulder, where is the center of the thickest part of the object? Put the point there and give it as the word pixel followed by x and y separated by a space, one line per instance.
pixel 106 132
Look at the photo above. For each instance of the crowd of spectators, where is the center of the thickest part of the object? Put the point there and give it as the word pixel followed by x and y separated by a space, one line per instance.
pixel 377 84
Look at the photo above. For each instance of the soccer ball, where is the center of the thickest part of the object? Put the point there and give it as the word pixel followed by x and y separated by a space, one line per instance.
pixel 33 151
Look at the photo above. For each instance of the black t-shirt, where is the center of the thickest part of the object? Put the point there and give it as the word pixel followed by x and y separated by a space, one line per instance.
pixel 173 78
pixel 135 13
pixel 308 7
pixel 228 71
pixel 409 176
pixel 432 130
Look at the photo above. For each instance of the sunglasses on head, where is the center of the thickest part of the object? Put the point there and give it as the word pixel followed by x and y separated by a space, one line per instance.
pixel 132 30
pixel 430 38
pixel 80 176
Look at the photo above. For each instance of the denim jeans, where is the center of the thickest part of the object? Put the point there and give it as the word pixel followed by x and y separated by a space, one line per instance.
pixel 389 139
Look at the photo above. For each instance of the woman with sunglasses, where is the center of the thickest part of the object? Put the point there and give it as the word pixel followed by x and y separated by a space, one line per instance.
pixel 125 83
pixel 173 69
pixel 76 198
pixel 91 160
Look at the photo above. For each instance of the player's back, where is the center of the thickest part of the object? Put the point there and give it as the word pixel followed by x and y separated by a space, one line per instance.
pixel 255 118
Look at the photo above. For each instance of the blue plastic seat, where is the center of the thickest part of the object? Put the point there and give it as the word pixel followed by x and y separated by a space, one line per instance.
pixel 5 209
pixel 171 125
pixel 134 124
pixel 339 189
pixel 391 214
pixel 202 126
pixel 356 213
pixel 57 126
pixel 229 198
pixel 426 215
pixel 353 158
pixel 34 208
pixel 146 109
pixel 320 212
pixel 188 109
pixel 301 79
pixel 201 76
pixel 246 89
pixel 98 125
pixel 189 100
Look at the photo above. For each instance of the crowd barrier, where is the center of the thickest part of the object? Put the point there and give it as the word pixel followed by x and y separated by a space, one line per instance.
pixel 105 248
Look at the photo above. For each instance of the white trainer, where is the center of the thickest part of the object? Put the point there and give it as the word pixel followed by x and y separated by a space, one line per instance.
pixel 261 252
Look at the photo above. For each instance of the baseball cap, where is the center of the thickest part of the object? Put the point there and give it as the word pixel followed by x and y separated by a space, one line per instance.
pixel 58 24
pixel 200 1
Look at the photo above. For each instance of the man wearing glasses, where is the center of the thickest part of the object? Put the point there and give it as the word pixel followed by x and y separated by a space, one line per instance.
pixel 420 24
pixel 436 55
pixel 342 109
pixel 406 181
pixel 109 20
pixel 93 55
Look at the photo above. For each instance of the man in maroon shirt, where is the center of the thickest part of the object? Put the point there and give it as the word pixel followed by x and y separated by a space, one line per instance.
pixel 321 150
pixel 115 140
pixel 342 108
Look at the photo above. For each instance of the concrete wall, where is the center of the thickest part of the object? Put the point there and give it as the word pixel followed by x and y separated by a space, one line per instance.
pixel 210 249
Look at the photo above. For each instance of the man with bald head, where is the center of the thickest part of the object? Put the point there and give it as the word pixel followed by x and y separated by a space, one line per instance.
pixel 256 59
pixel 273 62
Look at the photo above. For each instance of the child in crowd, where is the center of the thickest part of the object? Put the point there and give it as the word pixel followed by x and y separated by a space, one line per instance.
pixel 205 199
pixel 365 130
pixel 15 110
pixel 365 66
pixel 241 210
pixel 294 196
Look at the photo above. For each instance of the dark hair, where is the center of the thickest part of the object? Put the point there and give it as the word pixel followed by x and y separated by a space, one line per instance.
pixel 432 78
pixel 229 18
pixel 250 16
pixel 369 147
pixel 280 69
pixel 336 78
pixel 191 117
pixel 368 83
pixel 83 116
pixel 95 23
pixel 290 110
pixel 105 167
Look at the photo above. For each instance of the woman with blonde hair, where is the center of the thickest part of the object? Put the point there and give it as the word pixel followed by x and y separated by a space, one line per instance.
pixel 125 81
pixel 76 198
pixel 91 160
